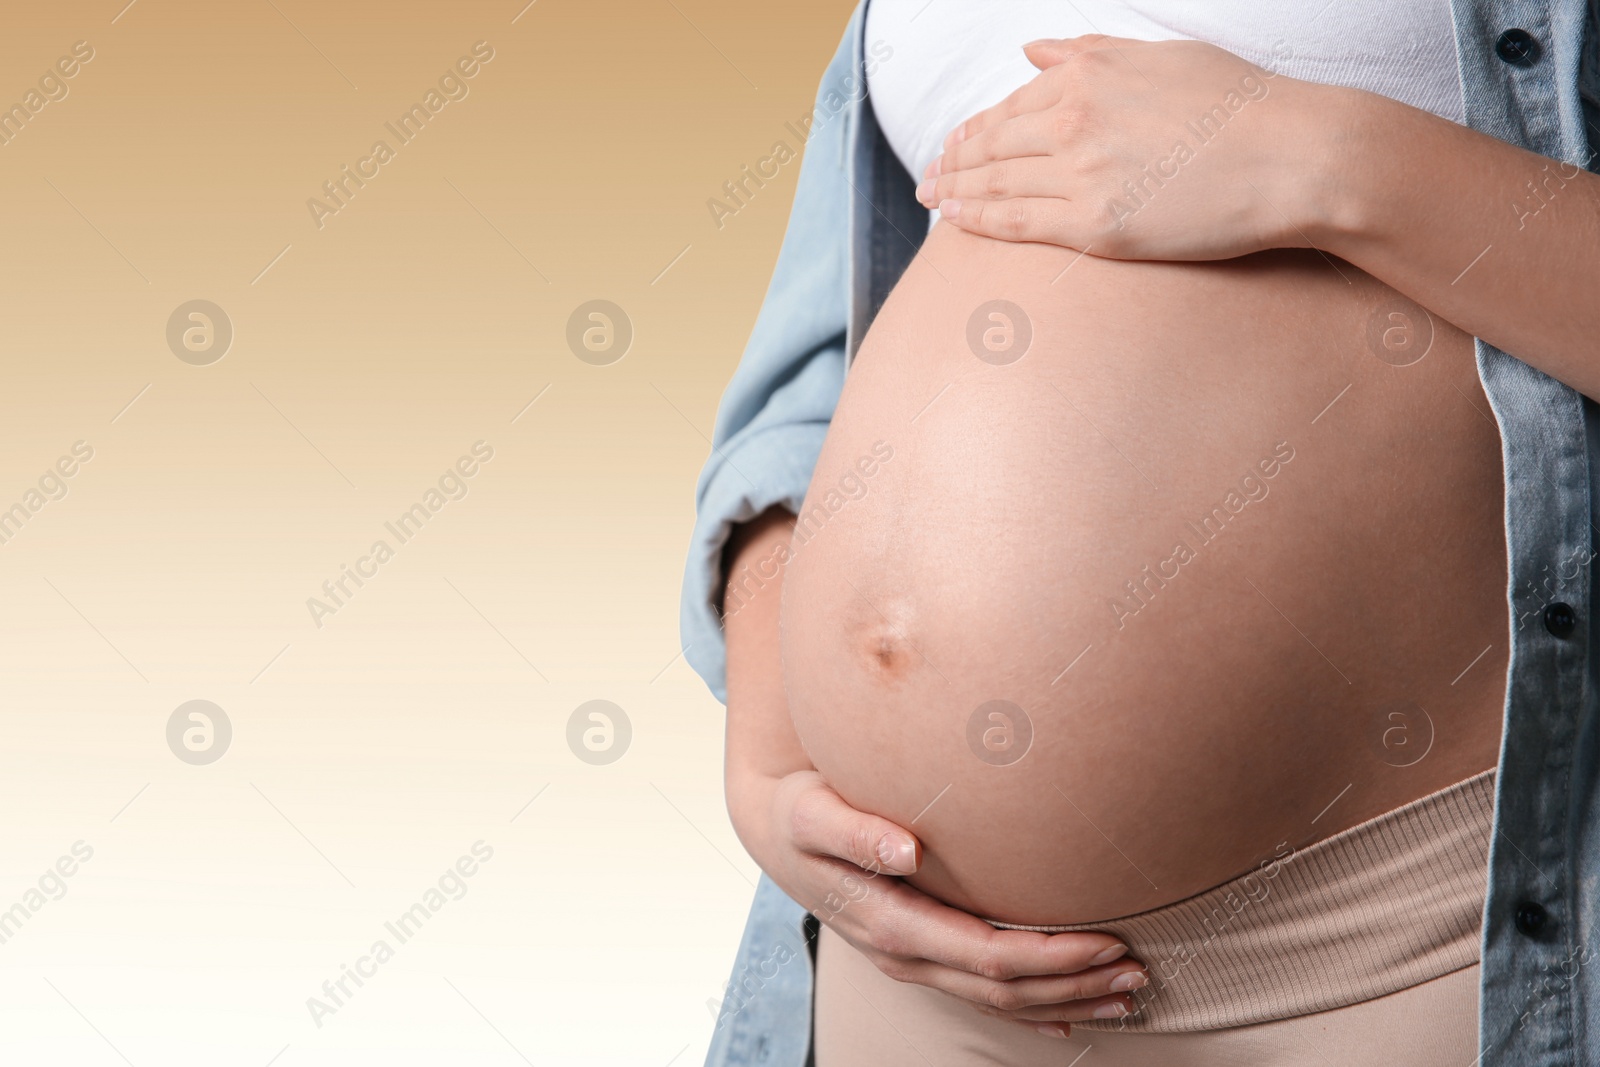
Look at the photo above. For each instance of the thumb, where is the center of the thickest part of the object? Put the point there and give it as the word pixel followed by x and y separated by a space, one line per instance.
pixel 825 825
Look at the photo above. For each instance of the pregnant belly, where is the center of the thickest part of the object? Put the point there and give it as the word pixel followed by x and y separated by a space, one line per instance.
pixel 1146 575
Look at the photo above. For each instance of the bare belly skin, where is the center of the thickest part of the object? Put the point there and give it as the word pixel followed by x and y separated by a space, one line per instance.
pixel 1239 605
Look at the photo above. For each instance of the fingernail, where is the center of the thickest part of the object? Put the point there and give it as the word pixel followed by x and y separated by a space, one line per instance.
pixel 1052 1030
pixel 950 209
pixel 1124 983
pixel 1110 1011
pixel 898 853
pixel 924 192
pixel 1115 952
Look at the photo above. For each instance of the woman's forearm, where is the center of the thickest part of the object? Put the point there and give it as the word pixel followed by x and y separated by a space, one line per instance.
pixel 762 747
pixel 1093 155
pixel 1500 241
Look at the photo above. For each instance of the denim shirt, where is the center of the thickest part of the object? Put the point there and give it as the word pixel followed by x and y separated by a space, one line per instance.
pixel 854 227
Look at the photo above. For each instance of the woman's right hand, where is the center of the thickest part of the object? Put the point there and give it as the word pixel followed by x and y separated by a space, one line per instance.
pixel 841 865
pixel 845 866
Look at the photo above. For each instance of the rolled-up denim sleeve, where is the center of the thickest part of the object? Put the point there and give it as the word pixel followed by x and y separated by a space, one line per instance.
pixel 776 409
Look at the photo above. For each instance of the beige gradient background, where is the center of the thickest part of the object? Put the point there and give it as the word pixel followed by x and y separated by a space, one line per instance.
pixel 424 715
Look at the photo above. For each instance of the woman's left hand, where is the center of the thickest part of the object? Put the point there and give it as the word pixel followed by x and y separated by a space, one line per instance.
pixel 1126 149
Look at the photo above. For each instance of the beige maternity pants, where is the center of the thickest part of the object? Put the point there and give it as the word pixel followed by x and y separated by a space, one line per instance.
pixel 1361 948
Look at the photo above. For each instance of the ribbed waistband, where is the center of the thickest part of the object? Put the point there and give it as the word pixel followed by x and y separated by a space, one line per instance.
pixel 1380 907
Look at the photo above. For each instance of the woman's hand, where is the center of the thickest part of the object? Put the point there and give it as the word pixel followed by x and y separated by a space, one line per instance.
pixel 1173 150
pixel 841 865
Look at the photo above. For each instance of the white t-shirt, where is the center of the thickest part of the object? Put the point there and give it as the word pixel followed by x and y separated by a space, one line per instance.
pixel 953 58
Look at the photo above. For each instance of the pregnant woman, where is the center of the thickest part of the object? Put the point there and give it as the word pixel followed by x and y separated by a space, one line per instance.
pixel 1153 569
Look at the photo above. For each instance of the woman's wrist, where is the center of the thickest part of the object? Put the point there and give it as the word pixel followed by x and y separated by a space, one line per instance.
pixel 749 797
pixel 761 744
pixel 1340 174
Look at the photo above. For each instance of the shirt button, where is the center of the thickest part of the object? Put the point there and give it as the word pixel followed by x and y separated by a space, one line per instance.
pixel 1531 918
pixel 1518 47
pixel 1560 619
